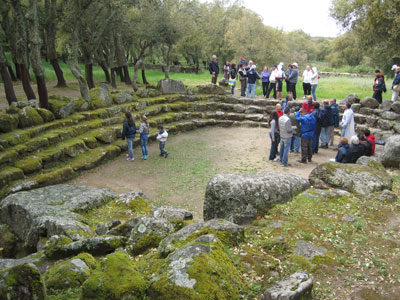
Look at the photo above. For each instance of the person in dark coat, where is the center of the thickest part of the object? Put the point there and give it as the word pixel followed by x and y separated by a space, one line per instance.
pixel 379 86
pixel 129 132
pixel 326 123
pixel 357 150
pixel 366 144
pixel 335 117
pixel 317 113
pixel 213 67
pixel 344 152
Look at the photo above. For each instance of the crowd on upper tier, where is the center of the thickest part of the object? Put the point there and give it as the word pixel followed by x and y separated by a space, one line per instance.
pixel 272 80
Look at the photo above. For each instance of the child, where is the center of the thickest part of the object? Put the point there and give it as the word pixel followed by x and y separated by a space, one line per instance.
pixel 129 132
pixel 144 135
pixel 162 137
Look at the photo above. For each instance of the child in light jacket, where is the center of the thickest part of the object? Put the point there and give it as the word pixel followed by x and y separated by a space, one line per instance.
pixel 162 137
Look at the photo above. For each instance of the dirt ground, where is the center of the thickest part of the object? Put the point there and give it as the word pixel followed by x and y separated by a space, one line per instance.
pixel 195 157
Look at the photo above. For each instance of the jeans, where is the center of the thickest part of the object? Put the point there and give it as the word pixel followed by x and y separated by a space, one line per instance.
pixel 265 88
pixel 313 88
pixel 243 87
pixel 143 144
pixel 251 89
pixel 272 86
pixel 162 150
pixel 324 136
pixel 233 88
pixel 395 95
pixel 129 141
pixel 274 147
pixel 306 149
pixel 342 134
pixel 295 144
pixel 284 152
pixel 307 89
pixel 315 141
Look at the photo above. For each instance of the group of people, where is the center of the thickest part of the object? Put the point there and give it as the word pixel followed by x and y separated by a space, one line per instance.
pixel 308 126
pixel 379 86
pixel 129 133
pixel 271 80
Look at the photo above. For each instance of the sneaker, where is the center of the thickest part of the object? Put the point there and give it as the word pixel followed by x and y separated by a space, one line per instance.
pixel 302 161
pixel 146 157
pixel 276 159
pixel 166 155
pixel 161 154
pixel 286 166
pixel 127 155
pixel 130 159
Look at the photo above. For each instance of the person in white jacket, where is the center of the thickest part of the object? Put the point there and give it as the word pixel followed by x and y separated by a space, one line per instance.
pixel 314 82
pixel 348 125
pixel 306 78
pixel 272 81
pixel 162 137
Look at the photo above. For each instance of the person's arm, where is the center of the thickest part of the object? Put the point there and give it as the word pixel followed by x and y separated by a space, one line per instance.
pixel 124 129
pixel 339 156
pixel 288 126
pixel 345 120
pixel 273 125
pixel 210 68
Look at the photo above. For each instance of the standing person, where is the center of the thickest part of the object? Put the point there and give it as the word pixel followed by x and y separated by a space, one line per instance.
pixel 379 86
pixel 314 82
pixel 144 130
pixel 227 67
pixel 272 82
pixel 213 67
pixel 307 125
pixel 287 74
pixel 129 132
pixel 274 135
pixel 335 119
pixel 162 137
pixel 242 61
pixel 344 152
pixel 265 80
pixel 252 76
pixel 348 122
pixel 326 124
pixel 292 79
pixel 309 105
pixel 396 83
pixel 371 138
pixel 232 81
pixel 286 131
pixel 243 80
pixel 306 79
pixel 295 145
pixel 317 132
pixel 280 75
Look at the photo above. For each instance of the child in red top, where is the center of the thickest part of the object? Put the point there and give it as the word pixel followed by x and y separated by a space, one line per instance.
pixel 371 138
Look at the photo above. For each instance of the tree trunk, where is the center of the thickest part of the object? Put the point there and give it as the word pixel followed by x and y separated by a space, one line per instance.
pixel 8 86
pixel 113 81
pixel 26 83
pixel 11 71
pixel 126 75
pixel 18 71
pixel 135 74
pixel 197 66
pixel 120 74
pixel 59 73
pixel 35 41
pixel 111 58
pixel 105 70
pixel 144 76
pixel 89 75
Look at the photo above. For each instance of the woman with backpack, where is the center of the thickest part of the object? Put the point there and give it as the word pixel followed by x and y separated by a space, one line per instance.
pixel 232 80
pixel 144 130
pixel 379 86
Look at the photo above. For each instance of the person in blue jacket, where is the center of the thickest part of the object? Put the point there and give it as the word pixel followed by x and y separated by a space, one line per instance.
pixel 129 132
pixel 335 116
pixel 252 76
pixel 344 152
pixel 307 125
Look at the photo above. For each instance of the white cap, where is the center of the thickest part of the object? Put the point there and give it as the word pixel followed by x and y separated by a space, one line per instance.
pixel 295 64
pixel 354 140
pixel 253 67
pixel 394 67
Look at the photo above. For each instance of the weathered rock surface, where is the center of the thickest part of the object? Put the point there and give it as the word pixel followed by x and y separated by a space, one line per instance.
pixel 294 287
pixel 386 105
pixel 8 122
pixel 8 242
pixel 171 213
pixel 229 233
pixel 240 198
pixel 370 161
pixel 210 89
pixel 28 116
pixel 34 258
pixel 386 196
pixel 123 97
pixel 169 86
pixel 323 194
pixel 390 115
pixel 51 211
pixel 391 152
pixel 369 102
pixel 308 250
pixel 61 109
pixel 22 282
pixel 353 178
pixel 396 107
pixel 352 98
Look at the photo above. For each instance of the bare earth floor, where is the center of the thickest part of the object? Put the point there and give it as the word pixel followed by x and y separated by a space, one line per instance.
pixel 195 157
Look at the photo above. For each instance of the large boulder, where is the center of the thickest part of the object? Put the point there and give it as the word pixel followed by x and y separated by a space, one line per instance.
pixel 52 210
pixel 358 179
pixel 386 105
pixel 169 86
pixel 241 198
pixel 199 270
pixel 396 107
pixel 123 97
pixel 391 152
pixel 8 242
pixel 229 234
pixel 223 82
pixel 210 89
pixel 116 277
pixel 28 116
pixel 352 98
pixel 369 102
pixel 171 213
pixel 292 287
pixel 22 282
pixel 8 122
pixel 61 107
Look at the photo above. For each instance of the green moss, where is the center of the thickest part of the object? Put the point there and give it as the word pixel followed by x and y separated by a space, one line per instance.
pixel 55 248
pixel 88 259
pixel 78 104
pixel 226 237
pixel 94 157
pixel 55 177
pixel 46 115
pixel 7 242
pixel 16 137
pixel 105 136
pixel 36 143
pixel 90 141
pixel 300 263
pixel 28 116
pixel 29 165
pixel 8 156
pixel 8 174
pixel 72 147
pixel 116 278
pixel 147 241
pixel 8 122
pixel 51 156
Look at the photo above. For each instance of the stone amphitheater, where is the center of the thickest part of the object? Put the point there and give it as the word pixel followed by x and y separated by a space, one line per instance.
pixel 74 242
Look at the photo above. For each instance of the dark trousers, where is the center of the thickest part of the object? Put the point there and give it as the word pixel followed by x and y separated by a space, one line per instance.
pixel 315 142
pixel 274 147
pixel 265 88
pixel 306 149
pixel 162 149
pixel 243 87
pixel 377 96
pixel 272 86
pixel 292 87
pixel 307 89
pixel 214 79
pixel 287 86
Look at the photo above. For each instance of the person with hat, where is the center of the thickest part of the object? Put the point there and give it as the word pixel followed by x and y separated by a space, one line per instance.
pixel 272 81
pixel 252 76
pixel 396 83
pixel 292 79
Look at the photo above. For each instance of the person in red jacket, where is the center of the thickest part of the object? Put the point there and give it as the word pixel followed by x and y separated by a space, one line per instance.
pixel 278 109
pixel 309 105
pixel 371 138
